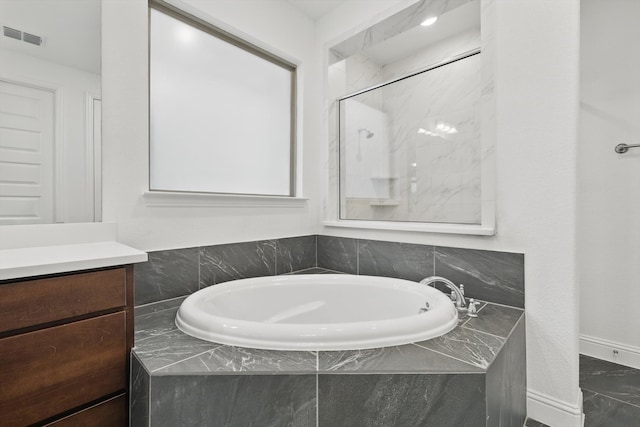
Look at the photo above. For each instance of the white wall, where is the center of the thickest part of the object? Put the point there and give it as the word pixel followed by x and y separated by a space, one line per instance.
pixel 609 183
pixel 73 85
pixel 537 46
pixel 275 25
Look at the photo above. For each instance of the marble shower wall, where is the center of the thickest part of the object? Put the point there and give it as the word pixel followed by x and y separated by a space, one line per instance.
pixel 487 275
pixel 179 272
pixel 438 173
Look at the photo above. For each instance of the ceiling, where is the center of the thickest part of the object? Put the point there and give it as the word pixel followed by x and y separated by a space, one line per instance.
pixel 315 9
pixel 70 30
pixel 455 21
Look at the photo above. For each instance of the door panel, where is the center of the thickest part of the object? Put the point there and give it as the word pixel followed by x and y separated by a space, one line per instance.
pixel 26 154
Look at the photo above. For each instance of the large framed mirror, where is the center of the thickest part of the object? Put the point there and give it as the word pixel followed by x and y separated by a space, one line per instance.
pixel 50 111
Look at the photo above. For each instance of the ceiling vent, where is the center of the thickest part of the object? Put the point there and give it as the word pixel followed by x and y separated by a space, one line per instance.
pixel 10 32
pixel 32 38
pixel 19 35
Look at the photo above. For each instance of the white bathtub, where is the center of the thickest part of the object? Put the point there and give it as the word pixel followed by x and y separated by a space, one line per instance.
pixel 317 312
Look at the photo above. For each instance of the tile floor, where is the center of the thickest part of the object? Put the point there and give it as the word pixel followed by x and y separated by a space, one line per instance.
pixel 611 394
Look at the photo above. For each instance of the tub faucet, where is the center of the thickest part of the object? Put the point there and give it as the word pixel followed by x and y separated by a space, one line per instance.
pixel 459 296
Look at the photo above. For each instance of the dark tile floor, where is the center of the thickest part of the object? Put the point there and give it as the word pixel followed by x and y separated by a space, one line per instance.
pixel 611 393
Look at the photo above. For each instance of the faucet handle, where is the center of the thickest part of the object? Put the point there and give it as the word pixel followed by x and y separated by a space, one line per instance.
pixel 473 310
pixel 461 289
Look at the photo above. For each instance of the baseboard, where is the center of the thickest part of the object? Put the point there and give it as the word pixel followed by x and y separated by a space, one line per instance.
pixel 553 412
pixel 610 351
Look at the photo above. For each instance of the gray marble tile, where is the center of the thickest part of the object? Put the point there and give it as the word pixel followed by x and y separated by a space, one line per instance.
pixel 229 359
pixel 156 323
pixel 467 345
pixel 139 394
pixel 295 253
pixel 167 274
pixel 507 382
pixel 610 379
pixel 402 359
pixel 153 307
pixel 400 260
pixel 487 275
pixel 162 350
pixel 463 317
pixel 222 263
pixel 534 423
pixel 603 411
pixel 338 253
pixel 233 400
pixel 401 400
pixel 494 319
pixel 315 270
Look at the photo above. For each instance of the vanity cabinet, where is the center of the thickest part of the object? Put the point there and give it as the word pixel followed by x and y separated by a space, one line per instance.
pixel 64 348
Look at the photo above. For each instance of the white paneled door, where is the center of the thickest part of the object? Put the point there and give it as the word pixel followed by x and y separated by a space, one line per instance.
pixel 26 154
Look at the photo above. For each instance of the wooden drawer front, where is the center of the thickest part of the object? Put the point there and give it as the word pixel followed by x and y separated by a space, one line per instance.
pixel 112 413
pixel 34 302
pixel 46 372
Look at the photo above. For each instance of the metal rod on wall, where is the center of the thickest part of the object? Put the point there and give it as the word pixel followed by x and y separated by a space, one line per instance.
pixel 623 148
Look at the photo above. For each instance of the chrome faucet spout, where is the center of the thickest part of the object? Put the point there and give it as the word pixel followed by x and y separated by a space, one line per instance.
pixel 456 291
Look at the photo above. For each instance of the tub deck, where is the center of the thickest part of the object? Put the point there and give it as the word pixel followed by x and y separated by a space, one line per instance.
pixel 474 375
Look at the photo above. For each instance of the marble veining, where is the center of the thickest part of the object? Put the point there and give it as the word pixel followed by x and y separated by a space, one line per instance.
pixel 142 310
pixel 139 397
pixel 229 359
pixel 507 382
pixel 604 411
pixel 295 253
pixel 498 319
pixel 391 259
pixel 610 379
pixel 406 19
pixel 467 345
pixel 154 324
pixel 401 400
pixel 231 400
pixel 488 275
pixel 222 263
pixel 171 347
pixel 167 274
pixel 338 253
pixel 408 358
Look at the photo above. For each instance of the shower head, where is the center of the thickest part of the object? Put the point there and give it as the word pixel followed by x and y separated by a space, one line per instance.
pixel 367 132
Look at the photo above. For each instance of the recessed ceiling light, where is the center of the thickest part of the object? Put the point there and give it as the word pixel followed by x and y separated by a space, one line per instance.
pixel 429 21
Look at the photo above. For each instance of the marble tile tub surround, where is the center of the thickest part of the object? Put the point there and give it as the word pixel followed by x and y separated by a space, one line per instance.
pixel 179 272
pixel 170 368
pixel 487 275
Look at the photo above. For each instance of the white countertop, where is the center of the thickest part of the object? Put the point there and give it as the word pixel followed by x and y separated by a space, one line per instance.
pixel 41 260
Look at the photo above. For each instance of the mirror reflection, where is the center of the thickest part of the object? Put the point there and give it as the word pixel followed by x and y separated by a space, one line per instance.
pixel 410 134
pixel 50 111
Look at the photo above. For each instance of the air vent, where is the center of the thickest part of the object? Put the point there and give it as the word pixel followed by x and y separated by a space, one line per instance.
pixel 31 38
pixel 10 32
